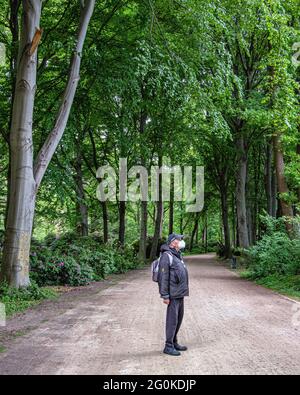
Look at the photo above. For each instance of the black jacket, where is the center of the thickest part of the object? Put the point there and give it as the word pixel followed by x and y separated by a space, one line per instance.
pixel 173 281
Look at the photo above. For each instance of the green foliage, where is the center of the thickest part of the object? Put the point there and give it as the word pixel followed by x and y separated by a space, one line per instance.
pixel 275 253
pixel 199 72
pixel 17 300
pixel 2 349
pixel 76 261
pixel 284 284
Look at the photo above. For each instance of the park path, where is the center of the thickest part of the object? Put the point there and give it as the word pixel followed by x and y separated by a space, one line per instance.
pixel 231 326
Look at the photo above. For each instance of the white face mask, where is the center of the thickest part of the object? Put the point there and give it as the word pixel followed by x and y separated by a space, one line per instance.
pixel 181 245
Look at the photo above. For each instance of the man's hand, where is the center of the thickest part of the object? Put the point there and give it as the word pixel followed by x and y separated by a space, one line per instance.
pixel 167 301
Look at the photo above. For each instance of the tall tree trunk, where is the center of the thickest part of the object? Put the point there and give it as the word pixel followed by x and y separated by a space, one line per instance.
pixel 143 231
pixel 26 178
pixel 161 223
pixel 14 28
pixel 181 219
pixel 46 153
pixel 194 231
pixel 286 207
pixel 104 203
pixel 22 187
pixel 105 222
pixel 171 209
pixel 241 177
pixel 122 223
pixel 142 254
pixel 233 216
pixel 225 218
pixel 157 231
pixel 274 194
pixel 268 177
pixel 250 223
pixel 83 226
pixel 159 216
pixel 257 195
pixel 205 233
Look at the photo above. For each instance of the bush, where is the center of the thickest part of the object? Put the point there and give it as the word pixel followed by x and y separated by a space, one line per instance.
pixel 275 253
pixel 49 269
pixel 73 260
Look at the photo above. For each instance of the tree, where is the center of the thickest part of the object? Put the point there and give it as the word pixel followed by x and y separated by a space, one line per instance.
pixel 26 176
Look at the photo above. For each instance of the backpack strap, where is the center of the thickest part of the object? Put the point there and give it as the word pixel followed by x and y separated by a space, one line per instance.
pixel 170 258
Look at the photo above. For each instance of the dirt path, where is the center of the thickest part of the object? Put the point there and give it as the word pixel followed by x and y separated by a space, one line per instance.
pixel 117 327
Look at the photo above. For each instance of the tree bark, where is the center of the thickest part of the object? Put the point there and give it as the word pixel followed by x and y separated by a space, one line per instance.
pixel 274 194
pixel 225 219
pixel 159 216
pixel 233 216
pixel 181 218
pixel 122 223
pixel 46 153
pixel 142 254
pixel 105 222
pixel 14 28
pixel 241 177
pixel 171 210
pixel 286 207
pixel 22 187
pixel 143 232
pixel 83 226
pixel 268 177
pixel 205 233
pixel 194 231
pixel 25 179
pixel 250 223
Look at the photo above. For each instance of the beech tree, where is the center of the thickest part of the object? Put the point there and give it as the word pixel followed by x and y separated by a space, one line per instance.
pixel 194 81
pixel 25 175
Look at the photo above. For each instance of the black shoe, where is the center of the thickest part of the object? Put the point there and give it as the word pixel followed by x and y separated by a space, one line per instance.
pixel 171 351
pixel 179 347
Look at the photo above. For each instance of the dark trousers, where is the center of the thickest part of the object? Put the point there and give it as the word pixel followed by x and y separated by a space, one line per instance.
pixel 175 313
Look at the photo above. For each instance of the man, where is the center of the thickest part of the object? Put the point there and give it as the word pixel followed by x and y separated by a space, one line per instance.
pixel 173 287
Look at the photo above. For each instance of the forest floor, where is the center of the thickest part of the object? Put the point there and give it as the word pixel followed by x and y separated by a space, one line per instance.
pixel 231 326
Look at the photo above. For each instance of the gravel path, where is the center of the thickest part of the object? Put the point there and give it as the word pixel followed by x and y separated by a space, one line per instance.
pixel 231 326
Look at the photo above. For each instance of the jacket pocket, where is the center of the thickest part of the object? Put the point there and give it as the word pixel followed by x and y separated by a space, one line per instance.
pixel 174 277
pixel 178 275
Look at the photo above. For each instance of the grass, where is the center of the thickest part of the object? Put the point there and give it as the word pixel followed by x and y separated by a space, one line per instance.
pixel 2 349
pixel 16 306
pixel 288 285
pixel 19 300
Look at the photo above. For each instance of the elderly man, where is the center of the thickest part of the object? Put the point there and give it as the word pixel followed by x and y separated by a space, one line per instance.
pixel 173 287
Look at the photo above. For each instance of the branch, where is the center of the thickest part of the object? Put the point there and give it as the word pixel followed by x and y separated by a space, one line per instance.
pixel 46 153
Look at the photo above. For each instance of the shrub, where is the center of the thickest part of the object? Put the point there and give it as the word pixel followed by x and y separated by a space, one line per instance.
pixel 275 253
pixel 73 260
pixel 50 269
